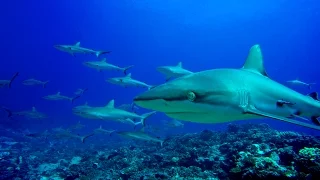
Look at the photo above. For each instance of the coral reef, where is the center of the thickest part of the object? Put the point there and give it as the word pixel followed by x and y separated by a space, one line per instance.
pixel 251 151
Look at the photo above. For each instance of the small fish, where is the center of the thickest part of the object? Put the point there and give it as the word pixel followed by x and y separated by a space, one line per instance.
pixel 58 96
pixel 8 83
pixel 33 82
pixel 173 71
pixel 72 49
pixel 103 65
pixel 298 82
pixel 127 81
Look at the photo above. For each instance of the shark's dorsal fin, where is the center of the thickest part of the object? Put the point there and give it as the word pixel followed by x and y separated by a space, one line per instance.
pixel 254 62
pixel 77 44
pixel 128 75
pixel 100 127
pixel 34 109
pixel 110 104
pixel 86 104
pixel 314 95
pixel 179 64
pixel 58 93
pixel 104 60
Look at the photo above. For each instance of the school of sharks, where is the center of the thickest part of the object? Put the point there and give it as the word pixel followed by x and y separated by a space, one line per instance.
pixel 209 96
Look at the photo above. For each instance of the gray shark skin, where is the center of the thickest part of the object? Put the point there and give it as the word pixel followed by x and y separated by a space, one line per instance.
pixel 34 82
pixel 103 65
pixel 58 96
pixel 140 135
pixel 29 114
pixel 80 92
pixel 73 49
pixel 298 82
pixel 8 83
pixel 224 95
pixel 109 112
pixel 127 81
pixel 173 71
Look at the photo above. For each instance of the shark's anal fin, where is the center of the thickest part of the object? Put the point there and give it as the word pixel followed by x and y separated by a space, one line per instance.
pixel 251 110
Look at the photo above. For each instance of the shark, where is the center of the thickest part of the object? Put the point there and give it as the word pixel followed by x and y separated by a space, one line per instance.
pixel 58 96
pixel 173 71
pixel 29 114
pixel 80 92
pixel 104 65
pixel 76 48
pixel 109 112
pixel 127 81
pixel 140 135
pixel 104 131
pixel 230 94
pixel 8 83
pixel 298 82
pixel 81 107
pixel 33 82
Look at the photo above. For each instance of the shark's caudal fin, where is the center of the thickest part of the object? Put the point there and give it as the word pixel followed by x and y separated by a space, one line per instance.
pixel 146 116
pixel 83 138
pixel 74 98
pixel 98 53
pixel 45 84
pixel 254 62
pixel 12 79
pixel 126 68
pixel 264 114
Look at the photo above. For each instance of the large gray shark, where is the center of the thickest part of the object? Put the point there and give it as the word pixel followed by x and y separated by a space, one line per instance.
pixel 58 96
pixel 127 81
pixel 8 83
pixel 104 65
pixel 109 112
pixel 72 49
pixel 33 82
pixel 224 95
pixel 173 71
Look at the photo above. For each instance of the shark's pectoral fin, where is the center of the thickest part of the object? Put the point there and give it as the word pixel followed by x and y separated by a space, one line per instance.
pixel 252 110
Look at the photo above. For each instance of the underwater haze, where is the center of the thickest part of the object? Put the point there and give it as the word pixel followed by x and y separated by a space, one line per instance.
pixel 202 35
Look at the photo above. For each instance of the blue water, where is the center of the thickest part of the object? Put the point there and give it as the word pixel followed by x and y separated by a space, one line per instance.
pixel 146 34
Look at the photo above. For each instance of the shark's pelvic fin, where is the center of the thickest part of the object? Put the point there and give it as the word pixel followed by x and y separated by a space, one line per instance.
pixel 110 104
pixel 251 110
pixel 254 62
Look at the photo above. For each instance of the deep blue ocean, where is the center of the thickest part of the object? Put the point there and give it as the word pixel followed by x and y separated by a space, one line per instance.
pixel 202 35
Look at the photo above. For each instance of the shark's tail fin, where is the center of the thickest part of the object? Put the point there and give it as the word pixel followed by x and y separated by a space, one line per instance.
pixel 146 116
pixel 126 68
pixel 74 98
pixel 13 78
pixel 8 111
pixel 311 84
pixel 83 138
pixel 45 84
pixel 98 53
pixel 113 131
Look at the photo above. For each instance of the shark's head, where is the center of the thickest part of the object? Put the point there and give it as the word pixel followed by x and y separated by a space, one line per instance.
pixel 194 93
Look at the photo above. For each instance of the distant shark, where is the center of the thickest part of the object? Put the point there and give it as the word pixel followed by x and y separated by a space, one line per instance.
pixel 127 81
pixel 224 95
pixel 73 49
pixel 8 83
pixel 109 112
pixel 33 82
pixel 173 71
pixel 103 65
pixel 29 114
pixel 140 135
pixel 104 131
pixel 58 96
pixel 298 82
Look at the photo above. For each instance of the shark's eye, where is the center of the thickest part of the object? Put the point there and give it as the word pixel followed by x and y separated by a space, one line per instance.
pixel 191 96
